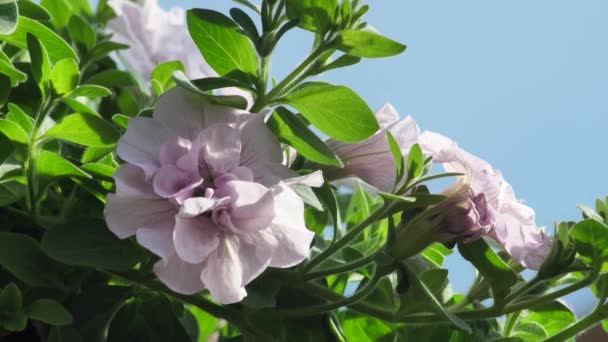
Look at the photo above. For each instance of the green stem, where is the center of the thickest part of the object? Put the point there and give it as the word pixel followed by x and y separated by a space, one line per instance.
pixel 353 233
pixel 512 320
pixel 523 290
pixel 340 269
pixel 263 77
pixel 277 91
pixel 341 302
pixel 578 327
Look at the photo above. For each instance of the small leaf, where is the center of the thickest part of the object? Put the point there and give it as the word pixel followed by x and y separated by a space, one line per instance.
pixel 18 116
pixel 91 91
pixel 32 10
pixel 98 169
pixel 112 78
pixel 65 76
pixel 79 107
pixel 591 237
pixel 51 166
pixel 436 253
pixel 245 21
pixel 17 322
pixel 397 156
pixel 9 15
pixel 7 68
pixel 340 62
pixel 313 15
pixel 14 132
pixel 368 44
pixel 221 43
pixel 56 47
pixel 81 32
pixel 10 299
pixel 500 276
pixel 21 256
pixel 40 63
pixel 62 10
pixel 230 100
pixel 415 162
pixel 85 130
pixel 103 49
pixel 335 110
pixel 162 76
pixel 292 131
pixel 121 120
pixel 11 192
pixel 89 243
pixel 49 311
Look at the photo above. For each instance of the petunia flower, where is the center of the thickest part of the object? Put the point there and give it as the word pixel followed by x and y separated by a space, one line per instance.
pixel 203 188
pixel 371 160
pixel 155 36
pixel 512 223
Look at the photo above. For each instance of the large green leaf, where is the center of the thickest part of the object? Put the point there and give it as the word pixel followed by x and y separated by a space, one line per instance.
pixel 56 47
pixel 335 110
pixel 65 76
pixel 9 15
pixel 40 63
pixel 62 10
pixel 89 243
pixel 368 44
pixel 30 9
pixel 162 76
pixel 10 299
pixel 21 256
pixel 591 239
pixel 48 311
pixel 552 317
pixel 81 32
pixel 85 130
pixel 313 15
pixel 291 130
pixel 13 131
pixel 222 44
pixel 500 276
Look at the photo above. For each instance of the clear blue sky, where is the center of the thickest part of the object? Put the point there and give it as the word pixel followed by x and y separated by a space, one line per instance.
pixel 520 83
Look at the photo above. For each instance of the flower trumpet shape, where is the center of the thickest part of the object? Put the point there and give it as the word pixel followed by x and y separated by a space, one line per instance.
pixel 512 224
pixel 204 189
pixel 155 36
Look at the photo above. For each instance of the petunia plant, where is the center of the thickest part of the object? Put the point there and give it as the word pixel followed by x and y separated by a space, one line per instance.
pixel 158 184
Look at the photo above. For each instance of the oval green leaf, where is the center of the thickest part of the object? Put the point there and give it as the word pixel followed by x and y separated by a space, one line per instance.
pixel 84 129
pixel 368 44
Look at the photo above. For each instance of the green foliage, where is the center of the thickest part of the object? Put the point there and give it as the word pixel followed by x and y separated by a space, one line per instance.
pixel 221 43
pixel 33 10
pixel 162 76
pixel 335 110
pixel 89 243
pixel 65 76
pixel 85 130
pixel 48 311
pixel 368 44
pixel 293 131
pixel 313 15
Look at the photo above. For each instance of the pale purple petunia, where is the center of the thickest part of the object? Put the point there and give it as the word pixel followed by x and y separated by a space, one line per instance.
pixel 155 36
pixel 371 160
pixel 512 222
pixel 204 189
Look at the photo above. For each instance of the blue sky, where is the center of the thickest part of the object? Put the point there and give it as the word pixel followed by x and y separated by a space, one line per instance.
pixel 520 83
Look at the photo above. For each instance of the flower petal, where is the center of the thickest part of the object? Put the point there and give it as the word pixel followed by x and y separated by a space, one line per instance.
pixel 196 206
pixel 158 237
pixel 131 182
pixel 125 215
pixel 195 238
pixel 252 206
pixel 223 272
pixel 387 115
pixel 222 148
pixel 170 180
pixel 260 146
pixel 180 276
pixel 141 144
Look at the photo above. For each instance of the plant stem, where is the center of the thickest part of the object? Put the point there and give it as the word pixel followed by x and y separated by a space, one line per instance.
pixel 340 269
pixel 323 308
pixel 511 321
pixel 277 91
pixel 353 233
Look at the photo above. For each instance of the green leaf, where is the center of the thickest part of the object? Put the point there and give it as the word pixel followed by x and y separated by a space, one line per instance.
pixel 51 166
pixel 10 299
pixel 17 322
pixel 56 47
pixel 9 15
pixel 62 10
pixel 365 329
pixel 102 49
pixel 84 130
pixel 81 32
pixel 500 276
pixel 313 15
pixel 245 21
pixel 48 311
pixel 79 107
pixel 368 44
pixel 22 257
pixel 11 192
pixel 40 63
pixel 211 83
pixel 335 110
pixel 64 334
pixel 94 308
pixel 89 243
pixel 65 76
pixel 94 154
pixel 436 253
pixel 207 324
pixel 340 62
pixel 415 162
pixel 591 239
pixel 13 131
pixel 397 156
pixel 230 100
pixel 112 78
pixel 32 10
pixel 18 116
pixel 162 76
pixel 91 91
pixel 98 169
pixel 553 317
pixel 292 131
pixel 222 45
pixel 7 68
